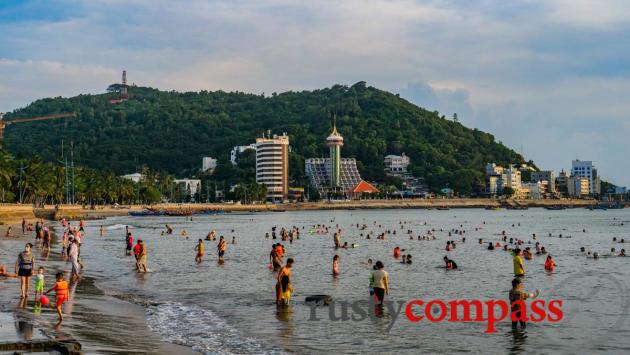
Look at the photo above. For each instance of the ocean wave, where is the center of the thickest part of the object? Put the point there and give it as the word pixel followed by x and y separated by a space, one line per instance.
pixel 202 330
pixel 116 226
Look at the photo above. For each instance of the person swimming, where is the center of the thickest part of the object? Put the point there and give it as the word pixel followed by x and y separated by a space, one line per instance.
pixel 449 264
pixel 490 246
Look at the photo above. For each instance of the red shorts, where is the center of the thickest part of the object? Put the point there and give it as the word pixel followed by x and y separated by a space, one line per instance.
pixel 61 300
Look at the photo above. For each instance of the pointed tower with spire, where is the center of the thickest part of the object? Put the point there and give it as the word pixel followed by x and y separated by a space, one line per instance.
pixel 335 142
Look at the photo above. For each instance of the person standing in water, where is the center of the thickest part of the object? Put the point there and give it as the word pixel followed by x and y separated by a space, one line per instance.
pixel 200 249
pixel 283 284
pixel 73 256
pixel 335 265
pixel 517 298
pixel 142 256
pixel 221 247
pixel 381 282
pixel 519 269
pixel 24 268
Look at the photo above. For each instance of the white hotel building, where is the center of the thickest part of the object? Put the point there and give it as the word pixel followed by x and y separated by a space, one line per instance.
pixel 272 166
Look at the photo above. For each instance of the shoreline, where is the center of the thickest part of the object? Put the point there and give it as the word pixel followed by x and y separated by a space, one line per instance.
pixel 13 213
pixel 122 323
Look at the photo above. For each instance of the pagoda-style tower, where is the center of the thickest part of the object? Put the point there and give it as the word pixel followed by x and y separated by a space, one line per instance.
pixel 335 142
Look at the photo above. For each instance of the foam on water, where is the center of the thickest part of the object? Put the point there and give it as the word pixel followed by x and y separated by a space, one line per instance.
pixel 116 226
pixel 202 330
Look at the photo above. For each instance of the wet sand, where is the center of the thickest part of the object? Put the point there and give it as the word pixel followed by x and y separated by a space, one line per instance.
pixel 100 322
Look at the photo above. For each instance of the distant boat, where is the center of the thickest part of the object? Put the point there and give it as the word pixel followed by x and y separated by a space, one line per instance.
pixel 604 207
pixel 493 208
pixel 555 208
pixel 443 208
pixel 179 213
pixel 517 207
pixel 146 212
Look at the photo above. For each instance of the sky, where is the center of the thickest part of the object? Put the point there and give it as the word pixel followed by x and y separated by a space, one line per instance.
pixel 550 79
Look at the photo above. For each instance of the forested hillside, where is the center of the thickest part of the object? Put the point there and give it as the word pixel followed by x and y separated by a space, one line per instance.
pixel 171 131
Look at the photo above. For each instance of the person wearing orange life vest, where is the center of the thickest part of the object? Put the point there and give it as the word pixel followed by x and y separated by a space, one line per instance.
pixel 61 290
pixel 550 265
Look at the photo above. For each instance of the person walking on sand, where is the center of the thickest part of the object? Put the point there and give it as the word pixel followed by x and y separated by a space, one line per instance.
pixel 24 268
pixel 221 247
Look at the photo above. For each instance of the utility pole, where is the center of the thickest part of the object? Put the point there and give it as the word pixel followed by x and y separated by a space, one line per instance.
pixel 20 182
pixel 72 158
pixel 65 162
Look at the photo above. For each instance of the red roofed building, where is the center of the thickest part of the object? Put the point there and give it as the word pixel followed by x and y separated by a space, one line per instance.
pixel 360 189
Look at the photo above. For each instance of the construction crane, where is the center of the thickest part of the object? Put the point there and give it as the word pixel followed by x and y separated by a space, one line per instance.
pixel 4 123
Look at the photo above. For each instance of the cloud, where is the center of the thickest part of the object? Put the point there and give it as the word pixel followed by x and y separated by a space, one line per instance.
pixel 551 76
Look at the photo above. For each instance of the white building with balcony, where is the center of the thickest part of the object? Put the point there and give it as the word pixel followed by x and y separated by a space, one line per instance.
pixel 272 166
pixel 396 164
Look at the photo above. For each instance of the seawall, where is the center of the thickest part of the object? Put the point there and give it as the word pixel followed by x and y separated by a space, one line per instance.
pixel 13 213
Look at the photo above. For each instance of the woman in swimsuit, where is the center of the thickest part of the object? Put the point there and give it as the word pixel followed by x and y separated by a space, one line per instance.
pixel 24 268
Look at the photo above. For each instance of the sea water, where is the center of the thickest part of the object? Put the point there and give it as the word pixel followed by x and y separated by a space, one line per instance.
pixel 229 307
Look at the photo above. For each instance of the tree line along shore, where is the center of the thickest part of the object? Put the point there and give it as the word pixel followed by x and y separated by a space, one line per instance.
pixel 14 213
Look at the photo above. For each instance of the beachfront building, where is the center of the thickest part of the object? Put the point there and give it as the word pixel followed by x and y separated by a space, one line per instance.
pixel 498 178
pixel 578 186
pixel 512 178
pixel 494 179
pixel 494 186
pixel 238 150
pixel 319 172
pixel 334 177
pixel 135 177
pixel 545 176
pixel 562 182
pixel 189 187
pixel 585 169
pixel 533 190
pixel 208 164
pixel 396 164
pixel 272 166
pixel 493 169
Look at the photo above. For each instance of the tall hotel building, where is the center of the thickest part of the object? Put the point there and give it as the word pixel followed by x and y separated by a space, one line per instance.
pixel 272 166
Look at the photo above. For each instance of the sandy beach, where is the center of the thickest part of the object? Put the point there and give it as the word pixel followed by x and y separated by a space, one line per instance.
pixel 98 321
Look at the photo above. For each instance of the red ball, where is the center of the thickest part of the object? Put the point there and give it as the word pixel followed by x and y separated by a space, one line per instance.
pixel 44 300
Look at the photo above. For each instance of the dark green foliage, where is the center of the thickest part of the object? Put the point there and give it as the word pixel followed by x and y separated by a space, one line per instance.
pixel 171 131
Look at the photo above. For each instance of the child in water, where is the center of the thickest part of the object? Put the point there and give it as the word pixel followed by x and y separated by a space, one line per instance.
pixel 550 265
pixel 61 289
pixel 39 282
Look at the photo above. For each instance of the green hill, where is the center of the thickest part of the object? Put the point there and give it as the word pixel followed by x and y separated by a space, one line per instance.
pixel 171 131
